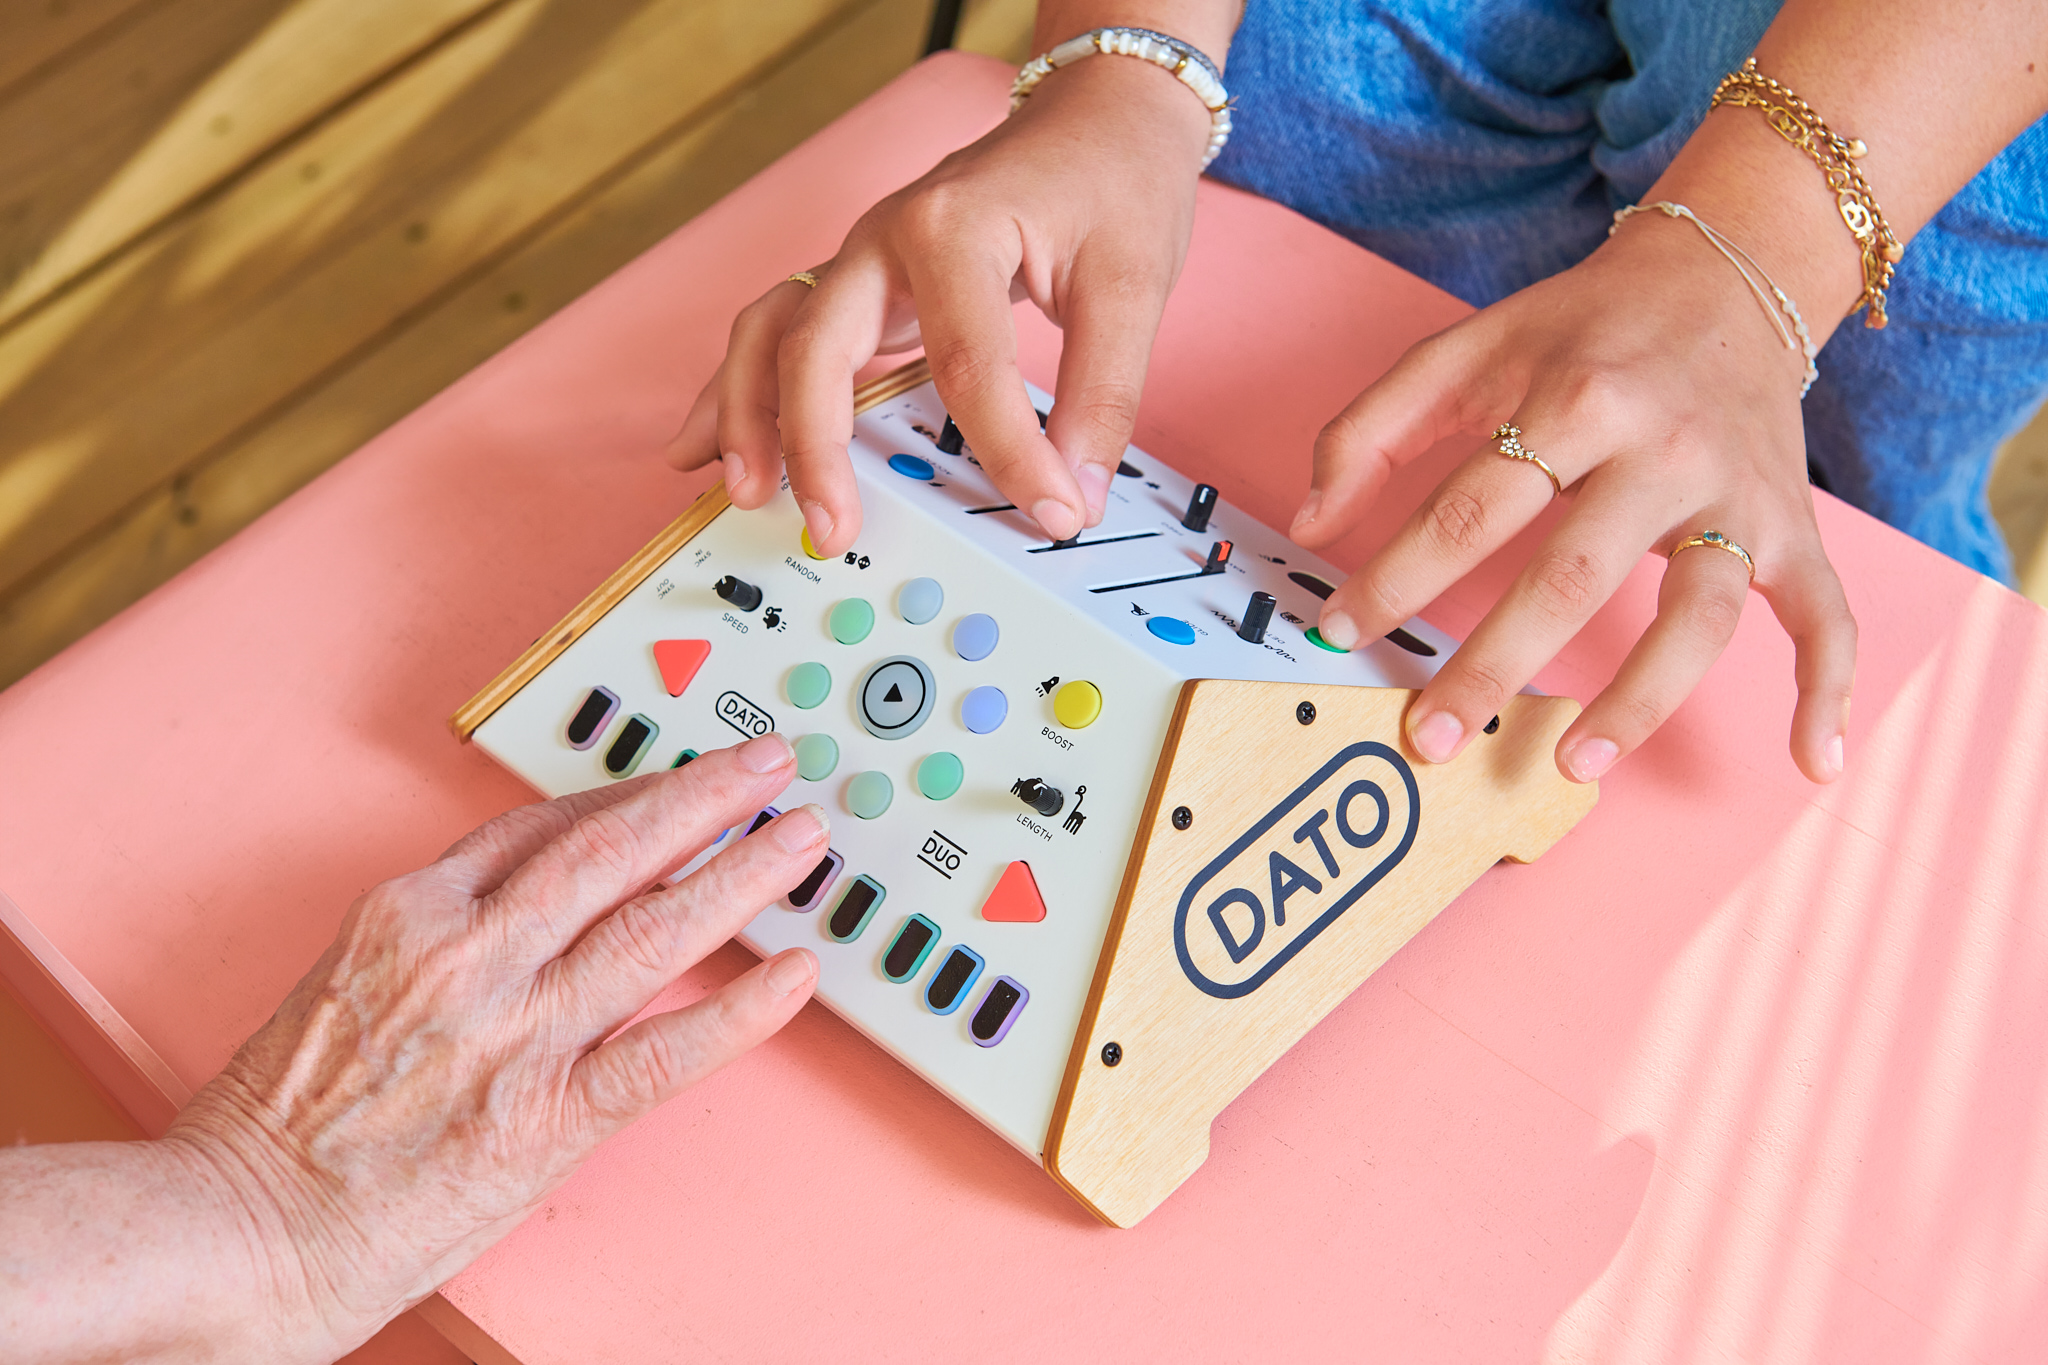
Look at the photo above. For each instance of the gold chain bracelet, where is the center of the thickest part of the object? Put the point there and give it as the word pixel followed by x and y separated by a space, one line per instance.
pixel 1799 124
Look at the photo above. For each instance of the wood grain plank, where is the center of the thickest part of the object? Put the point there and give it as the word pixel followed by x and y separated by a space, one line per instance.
pixel 2019 499
pixel 35 34
pixel 198 336
pixel 481 311
pixel 96 153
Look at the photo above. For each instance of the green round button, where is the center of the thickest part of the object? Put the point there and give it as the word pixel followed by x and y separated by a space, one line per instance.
pixel 816 757
pixel 869 794
pixel 940 775
pixel 852 620
pixel 808 685
pixel 1315 637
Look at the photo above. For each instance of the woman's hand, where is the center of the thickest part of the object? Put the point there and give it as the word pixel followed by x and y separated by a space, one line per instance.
pixel 1082 202
pixel 451 1059
pixel 1650 381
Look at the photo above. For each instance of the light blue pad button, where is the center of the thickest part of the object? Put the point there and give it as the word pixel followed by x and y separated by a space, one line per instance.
pixel 1171 629
pixel 910 467
pixel 869 794
pixel 984 709
pixel 920 600
pixel 975 637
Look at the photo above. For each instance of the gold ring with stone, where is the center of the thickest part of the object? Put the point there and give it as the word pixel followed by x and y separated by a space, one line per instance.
pixel 1510 437
pixel 1719 542
pixel 804 277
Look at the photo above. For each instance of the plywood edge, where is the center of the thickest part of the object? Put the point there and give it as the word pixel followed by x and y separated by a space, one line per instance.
pixel 1106 959
pixel 462 1332
pixel 588 612
pixel 139 1082
pixel 634 572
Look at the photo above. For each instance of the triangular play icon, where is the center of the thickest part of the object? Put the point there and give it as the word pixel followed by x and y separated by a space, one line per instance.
pixel 679 661
pixel 1015 899
pixel 895 693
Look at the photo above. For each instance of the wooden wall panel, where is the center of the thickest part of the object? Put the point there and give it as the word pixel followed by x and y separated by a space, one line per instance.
pixel 486 304
pixel 97 152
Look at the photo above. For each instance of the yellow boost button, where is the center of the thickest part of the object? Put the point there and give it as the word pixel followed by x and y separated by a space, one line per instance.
pixel 1077 704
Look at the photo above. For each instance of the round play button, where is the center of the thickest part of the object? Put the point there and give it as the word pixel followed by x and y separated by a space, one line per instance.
pixel 896 695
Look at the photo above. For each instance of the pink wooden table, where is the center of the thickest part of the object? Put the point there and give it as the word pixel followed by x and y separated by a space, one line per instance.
pixel 1743 1070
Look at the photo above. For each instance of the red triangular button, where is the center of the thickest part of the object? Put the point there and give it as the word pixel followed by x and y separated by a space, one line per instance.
pixel 679 661
pixel 1015 899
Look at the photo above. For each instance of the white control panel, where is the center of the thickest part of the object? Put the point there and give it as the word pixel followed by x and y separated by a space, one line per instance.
pixel 979 710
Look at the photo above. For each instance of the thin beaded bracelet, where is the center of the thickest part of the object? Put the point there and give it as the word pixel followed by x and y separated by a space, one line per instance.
pixel 1799 124
pixel 1743 266
pixel 1185 61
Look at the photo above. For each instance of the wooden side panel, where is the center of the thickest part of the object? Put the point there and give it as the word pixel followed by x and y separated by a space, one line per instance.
pixel 1311 852
pixel 35 36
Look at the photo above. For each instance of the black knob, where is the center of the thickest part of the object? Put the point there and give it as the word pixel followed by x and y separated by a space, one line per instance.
pixel 740 593
pixel 1047 801
pixel 1258 614
pixel 950 439
pixel 1199 508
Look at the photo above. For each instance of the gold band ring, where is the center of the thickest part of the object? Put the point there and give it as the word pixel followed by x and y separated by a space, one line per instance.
pixel 1719 542
pixel 1510 437
pixel 804 277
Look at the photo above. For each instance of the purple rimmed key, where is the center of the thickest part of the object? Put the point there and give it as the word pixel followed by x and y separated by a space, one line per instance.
pixel 997 1011
pixel 599 705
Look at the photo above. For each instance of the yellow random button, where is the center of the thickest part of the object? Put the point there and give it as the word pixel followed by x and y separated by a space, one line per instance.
pixel 1077 704
pixel 804 539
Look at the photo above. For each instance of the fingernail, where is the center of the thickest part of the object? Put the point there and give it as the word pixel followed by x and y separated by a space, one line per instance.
pixel 818 522
pixel 766 754
pixel 1307 514
pixel 735 471
pixel 1339 629
pixel 1436 736
pixel 794 834
pixel 1094 481
pixel 1591 757
pixel 1831 756
pixel 1056 518
pixel 790 972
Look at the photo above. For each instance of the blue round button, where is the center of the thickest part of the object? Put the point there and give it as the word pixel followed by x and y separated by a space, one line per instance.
pixel 920 600
pixel 975 637
pixel 984 709
pixel 1171 629
pixel 910 467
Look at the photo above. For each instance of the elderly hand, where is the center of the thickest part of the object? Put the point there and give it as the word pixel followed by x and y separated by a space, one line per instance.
pixel 450 1060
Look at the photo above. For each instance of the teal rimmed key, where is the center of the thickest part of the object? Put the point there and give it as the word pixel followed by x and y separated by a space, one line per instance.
pixel 908 950
pixel 869 794
pixel 940 775
pixel 816 757
pixel 856 909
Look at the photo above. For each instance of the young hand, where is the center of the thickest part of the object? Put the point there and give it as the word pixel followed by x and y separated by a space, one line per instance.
pixel 1651 383
pixel 1082 202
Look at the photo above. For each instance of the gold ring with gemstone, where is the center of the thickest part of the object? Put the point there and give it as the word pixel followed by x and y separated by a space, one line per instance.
pixel 1719 542
pixel 1510 437
pixel 804 277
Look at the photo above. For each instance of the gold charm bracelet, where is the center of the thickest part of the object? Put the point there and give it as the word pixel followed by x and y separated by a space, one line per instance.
pixel 1797 122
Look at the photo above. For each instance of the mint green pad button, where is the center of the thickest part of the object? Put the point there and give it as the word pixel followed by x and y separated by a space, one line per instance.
pixel 816 757
pixel 852 620
pixel 808 685
pixel 869 794
pixel 940 775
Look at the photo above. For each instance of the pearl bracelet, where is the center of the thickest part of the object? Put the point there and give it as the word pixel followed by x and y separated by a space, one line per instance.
pixel 1187 63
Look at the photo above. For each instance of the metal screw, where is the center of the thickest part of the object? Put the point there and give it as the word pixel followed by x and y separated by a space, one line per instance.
pixel 1182 818
pixel 1493 725
pixel 1112 1053
pixel 1306 713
